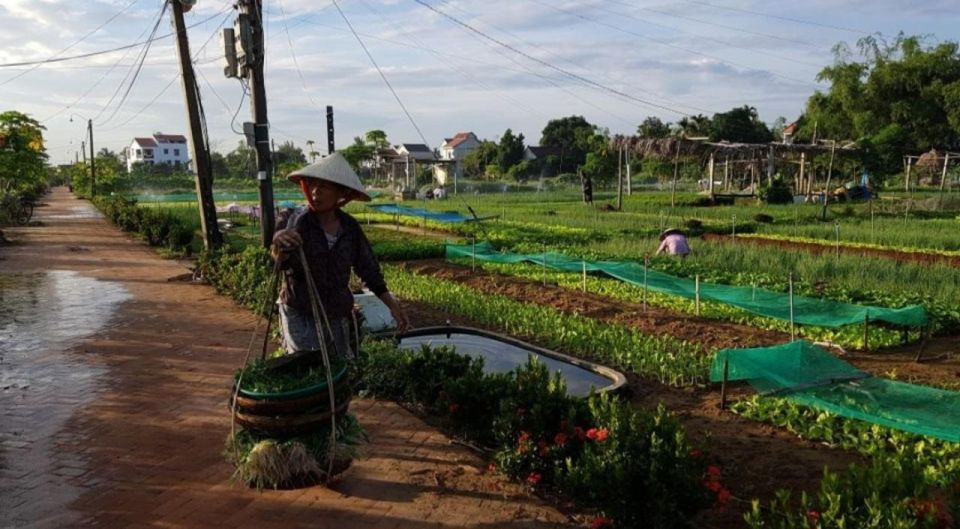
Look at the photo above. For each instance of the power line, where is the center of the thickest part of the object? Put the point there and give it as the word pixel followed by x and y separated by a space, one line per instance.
pixel 382 75
pixel 78 41
pixel 779 17
pixel 563 71
pixel 293 54
pixel 668 44
pixel 111 50
pixel 135 71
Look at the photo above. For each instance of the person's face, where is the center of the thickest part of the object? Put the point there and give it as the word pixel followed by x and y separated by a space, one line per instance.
pixel 326 195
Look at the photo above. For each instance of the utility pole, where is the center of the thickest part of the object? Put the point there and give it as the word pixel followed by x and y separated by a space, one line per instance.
pixel 83 150
pixel 198 147
pixel 244 53
pixel 330 148
pixel 93 161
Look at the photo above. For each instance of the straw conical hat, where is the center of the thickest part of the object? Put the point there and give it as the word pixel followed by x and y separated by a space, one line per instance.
pixel 333 168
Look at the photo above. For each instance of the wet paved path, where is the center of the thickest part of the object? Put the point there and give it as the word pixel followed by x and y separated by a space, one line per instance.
pixel 113 390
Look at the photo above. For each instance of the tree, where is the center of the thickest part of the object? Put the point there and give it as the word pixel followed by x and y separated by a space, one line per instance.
pixel 694 126
pixel 476 161
pixel 241 162
pixel 377 138
pixel 653 127
pixel 904 96
pixel 287 158
pixel 509 151
pixel 777 128
pixel 357 153
pixel 562 134
pixel 22 154
pixel 741 125
pixel 600 163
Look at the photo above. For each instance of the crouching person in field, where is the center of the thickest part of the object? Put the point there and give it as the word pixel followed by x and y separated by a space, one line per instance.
pixel 674 242
pixel 333 244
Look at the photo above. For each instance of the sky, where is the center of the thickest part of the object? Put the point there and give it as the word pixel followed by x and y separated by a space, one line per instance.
pixel 524 62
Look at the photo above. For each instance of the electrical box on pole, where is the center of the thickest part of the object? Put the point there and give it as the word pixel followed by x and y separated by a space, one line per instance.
pixel 229 40
pixel 248 31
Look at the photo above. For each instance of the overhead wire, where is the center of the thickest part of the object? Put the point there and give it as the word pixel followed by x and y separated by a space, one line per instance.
pixel 134 71
pixel 568 73
pixel 78 41
pixel 781 17
pixel 382 75
pixel 293 54
pixel 109 50
pixel 666 43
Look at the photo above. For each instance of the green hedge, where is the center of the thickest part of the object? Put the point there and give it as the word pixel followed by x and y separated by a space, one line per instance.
pixel 157 226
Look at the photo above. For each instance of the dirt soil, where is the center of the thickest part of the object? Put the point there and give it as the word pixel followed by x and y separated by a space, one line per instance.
pixel 713 334
pixel 142 447
pixel 829 248
pixel 755 459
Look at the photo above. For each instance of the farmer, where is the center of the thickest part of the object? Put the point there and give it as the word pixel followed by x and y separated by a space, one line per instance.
pixel 333 244
pixel 673 242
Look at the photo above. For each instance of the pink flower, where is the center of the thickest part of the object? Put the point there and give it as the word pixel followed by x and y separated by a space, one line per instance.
pixel 534 478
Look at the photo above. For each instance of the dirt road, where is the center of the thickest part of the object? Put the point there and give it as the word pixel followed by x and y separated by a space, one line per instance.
pixel 113 394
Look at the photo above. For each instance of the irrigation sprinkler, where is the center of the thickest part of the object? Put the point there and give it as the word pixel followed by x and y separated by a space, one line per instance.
pixel 793 332
pixel 697 293
pixel 584 264
pixel 646 264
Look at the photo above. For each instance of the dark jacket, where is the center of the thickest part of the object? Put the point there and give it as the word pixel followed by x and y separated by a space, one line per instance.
pixel 330 267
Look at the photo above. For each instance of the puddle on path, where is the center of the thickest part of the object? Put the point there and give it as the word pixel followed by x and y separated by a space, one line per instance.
pixel 83 210
pixel 42 383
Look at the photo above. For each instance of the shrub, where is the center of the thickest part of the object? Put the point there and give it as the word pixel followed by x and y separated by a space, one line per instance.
pixel 777 193
pixel 763 218
pixel 157 227
pixel 693 224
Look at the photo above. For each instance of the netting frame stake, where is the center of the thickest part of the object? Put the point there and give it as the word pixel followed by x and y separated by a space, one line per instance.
pixel 646 264
pixel 793 331
pixel 396 221
pixel 697 294
pixel 723 383
pixel 544 266
pixel 473 256
pixel 866 330
pixel 836 226
pixel 584 264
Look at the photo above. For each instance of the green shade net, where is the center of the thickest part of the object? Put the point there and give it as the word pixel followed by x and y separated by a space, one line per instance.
pixel 806 310
pixel 810 376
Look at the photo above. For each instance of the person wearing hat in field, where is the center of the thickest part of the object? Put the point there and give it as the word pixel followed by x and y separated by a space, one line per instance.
pixel 673 242
pixel 333 244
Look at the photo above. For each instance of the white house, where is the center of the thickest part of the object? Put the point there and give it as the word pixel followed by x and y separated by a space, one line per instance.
pixel 455 149
pixel 161 148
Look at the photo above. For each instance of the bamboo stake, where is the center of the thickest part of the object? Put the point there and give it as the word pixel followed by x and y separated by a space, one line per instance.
pixel 836 226
pixel 723 385
pixel 544 266
pixel 866 331
pixel 473 256
pixel 697 293
pixel 793 332
pixel 584 264
pixel 676 170
pixel 646 264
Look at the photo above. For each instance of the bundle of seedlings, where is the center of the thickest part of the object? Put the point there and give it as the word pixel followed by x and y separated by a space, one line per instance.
pixel 293 430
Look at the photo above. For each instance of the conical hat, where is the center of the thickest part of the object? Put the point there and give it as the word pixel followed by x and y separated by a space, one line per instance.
pixel 334 168
pixel 670 231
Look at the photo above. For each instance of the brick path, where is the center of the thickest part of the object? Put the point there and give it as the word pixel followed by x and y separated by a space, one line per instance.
pixel 125 428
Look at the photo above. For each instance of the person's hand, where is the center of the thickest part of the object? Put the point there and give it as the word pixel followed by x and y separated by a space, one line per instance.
pixel 399 315
pixel 287 240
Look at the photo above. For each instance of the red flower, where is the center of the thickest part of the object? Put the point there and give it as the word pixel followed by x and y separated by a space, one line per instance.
pixel 560 439
pixel 524 437
pixel 578 432
pixel 598 435
pixel 601 523
pixel 491 468
pixel 713 471
pixel 723 496
pixel 542 448
pixel 453 408
pixel 713 485
pixel 534 478
pixel 696 454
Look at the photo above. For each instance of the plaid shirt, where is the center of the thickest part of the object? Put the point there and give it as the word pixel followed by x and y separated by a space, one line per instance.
pixel 330 266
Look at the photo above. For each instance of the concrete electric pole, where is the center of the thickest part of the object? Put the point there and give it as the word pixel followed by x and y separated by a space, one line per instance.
pixel 243 47
pixel 330 148
pixel 198 146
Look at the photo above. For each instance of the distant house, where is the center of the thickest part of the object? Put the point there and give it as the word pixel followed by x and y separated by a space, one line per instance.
pixel 160 148
pixel 415 151
pixel 455 149
pixel 789 132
